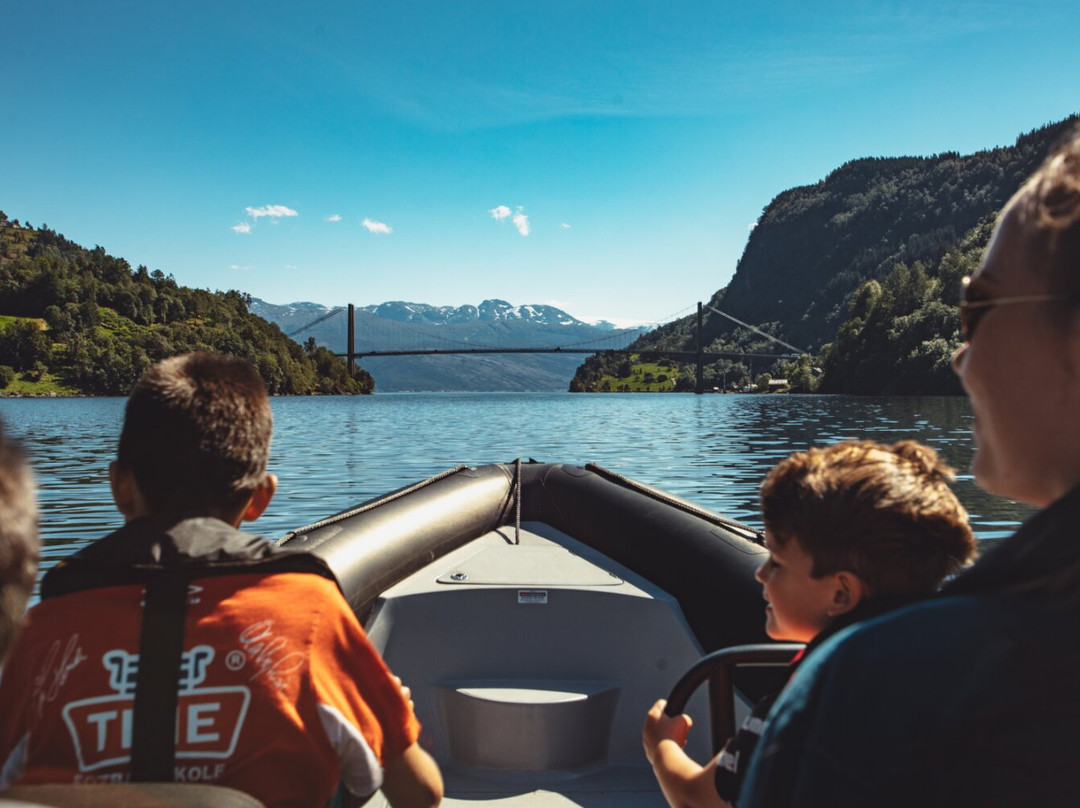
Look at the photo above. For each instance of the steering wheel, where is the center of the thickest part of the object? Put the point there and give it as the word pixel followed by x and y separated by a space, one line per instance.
pixel 718 668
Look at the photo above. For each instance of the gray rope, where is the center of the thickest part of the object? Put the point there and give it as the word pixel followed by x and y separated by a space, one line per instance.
pixel 755 535
pixel 517 496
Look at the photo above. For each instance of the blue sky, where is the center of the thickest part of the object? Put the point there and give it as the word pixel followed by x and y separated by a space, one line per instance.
pixel 605 157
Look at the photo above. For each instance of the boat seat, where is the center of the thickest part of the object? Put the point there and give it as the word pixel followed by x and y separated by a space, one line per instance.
pixel 129 795
pixel 528 725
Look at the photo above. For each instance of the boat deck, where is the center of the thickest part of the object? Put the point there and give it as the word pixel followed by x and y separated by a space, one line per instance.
pixel 532 666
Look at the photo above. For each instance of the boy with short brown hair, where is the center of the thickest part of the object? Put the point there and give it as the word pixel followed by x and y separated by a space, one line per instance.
pixel 178 648
pixel 853 530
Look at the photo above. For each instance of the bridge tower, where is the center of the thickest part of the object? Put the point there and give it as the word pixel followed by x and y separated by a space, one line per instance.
pixel 699 380
pixel 350 349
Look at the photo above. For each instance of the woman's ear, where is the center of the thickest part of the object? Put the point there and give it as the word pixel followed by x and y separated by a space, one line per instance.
pixel 848 592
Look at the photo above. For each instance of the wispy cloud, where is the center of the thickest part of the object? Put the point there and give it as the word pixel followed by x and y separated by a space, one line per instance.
pixel 333 217
pixel 519 219
pixel 242 267
pixel 273 211
pixel 373 226
pixel 564 225
pixel 242 227
pixel 521 222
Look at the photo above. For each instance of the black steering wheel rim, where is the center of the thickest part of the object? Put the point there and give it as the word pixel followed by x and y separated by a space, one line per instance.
pixel 717 668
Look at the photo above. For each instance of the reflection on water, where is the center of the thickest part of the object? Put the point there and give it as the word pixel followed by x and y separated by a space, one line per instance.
pixel 332 452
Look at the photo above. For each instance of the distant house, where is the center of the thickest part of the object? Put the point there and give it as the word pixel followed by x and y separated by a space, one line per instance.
pixel 776 385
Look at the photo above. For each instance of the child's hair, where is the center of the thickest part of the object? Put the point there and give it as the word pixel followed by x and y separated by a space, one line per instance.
pixel 196 433
pixel 885 513
pixel 18 539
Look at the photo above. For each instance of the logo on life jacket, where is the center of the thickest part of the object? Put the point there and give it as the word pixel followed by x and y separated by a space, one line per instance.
pixel 208 719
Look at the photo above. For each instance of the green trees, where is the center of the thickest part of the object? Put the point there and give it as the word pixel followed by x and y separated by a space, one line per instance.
pixel 900 334
pixel 105 323
pixel 23 344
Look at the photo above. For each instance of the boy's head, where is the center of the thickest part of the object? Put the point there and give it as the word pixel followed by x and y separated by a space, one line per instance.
pixel 18 539
pixel 196 438
pixel 857 520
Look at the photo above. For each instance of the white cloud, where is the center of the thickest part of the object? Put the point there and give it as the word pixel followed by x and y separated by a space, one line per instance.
pixel 290 266
pixel 243 227
pixel 238 266
pixel 564 225
pixel 273 211
pixel 521 222
pixel 751 226
pixel 333 217
pixel 377 227
pixel 500 213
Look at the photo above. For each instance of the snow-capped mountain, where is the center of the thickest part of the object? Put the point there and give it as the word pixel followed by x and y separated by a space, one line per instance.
pixel 399 325
pixel 403 312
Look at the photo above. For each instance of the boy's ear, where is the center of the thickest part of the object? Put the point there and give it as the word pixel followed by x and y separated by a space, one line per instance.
pixel 260 499
pixel 848 591
pixel 125 492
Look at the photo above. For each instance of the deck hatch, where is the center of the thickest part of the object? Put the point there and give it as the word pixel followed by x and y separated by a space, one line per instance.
pixel 527 567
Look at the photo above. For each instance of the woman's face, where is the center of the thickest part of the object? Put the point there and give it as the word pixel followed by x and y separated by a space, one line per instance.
pixel 1021 370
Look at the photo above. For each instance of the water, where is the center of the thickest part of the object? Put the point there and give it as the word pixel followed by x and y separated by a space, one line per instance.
pixel 333 452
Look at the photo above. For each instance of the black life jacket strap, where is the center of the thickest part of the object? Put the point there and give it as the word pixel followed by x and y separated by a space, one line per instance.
pixel 161 646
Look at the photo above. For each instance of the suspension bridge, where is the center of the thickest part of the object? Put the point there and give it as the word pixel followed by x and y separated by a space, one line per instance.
pixel 383 337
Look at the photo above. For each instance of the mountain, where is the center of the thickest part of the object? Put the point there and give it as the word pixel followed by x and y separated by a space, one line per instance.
pixel 861 270
pixel 488 311
pixel 815 244
pixel 400 325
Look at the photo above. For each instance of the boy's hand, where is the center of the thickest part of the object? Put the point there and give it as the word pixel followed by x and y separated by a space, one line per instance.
pixel 406 693
pixel 661 727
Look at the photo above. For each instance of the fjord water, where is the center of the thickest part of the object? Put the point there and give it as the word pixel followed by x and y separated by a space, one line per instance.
pixel 333 452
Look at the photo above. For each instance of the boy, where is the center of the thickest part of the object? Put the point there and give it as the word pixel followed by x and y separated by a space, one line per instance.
pixel 178 648
pixel 853 530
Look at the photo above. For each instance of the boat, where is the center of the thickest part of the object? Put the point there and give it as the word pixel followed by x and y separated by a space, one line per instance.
pixel 537 611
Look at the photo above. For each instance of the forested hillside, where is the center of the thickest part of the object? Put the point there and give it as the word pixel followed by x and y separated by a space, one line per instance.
pixel 862 270
pixel 79 321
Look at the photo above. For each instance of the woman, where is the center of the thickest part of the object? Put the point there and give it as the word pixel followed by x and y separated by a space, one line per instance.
pixel 973 698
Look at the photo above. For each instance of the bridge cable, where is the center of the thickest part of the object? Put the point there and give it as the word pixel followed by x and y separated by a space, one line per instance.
pixel 315 322
pixel 756 330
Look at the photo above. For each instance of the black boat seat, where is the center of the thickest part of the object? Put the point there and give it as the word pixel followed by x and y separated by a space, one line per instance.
pixel 129 795
pixel 528 725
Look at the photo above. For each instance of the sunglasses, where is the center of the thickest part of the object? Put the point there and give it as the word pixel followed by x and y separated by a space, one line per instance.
pixel 972 311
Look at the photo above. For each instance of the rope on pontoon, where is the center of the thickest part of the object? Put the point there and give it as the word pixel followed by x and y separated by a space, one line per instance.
pixel 517 498
pixel 367 506
pixel 756 536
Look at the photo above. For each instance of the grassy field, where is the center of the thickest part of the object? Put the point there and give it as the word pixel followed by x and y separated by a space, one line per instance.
pixel 48 384
pixel 8 319
pixel 645 377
